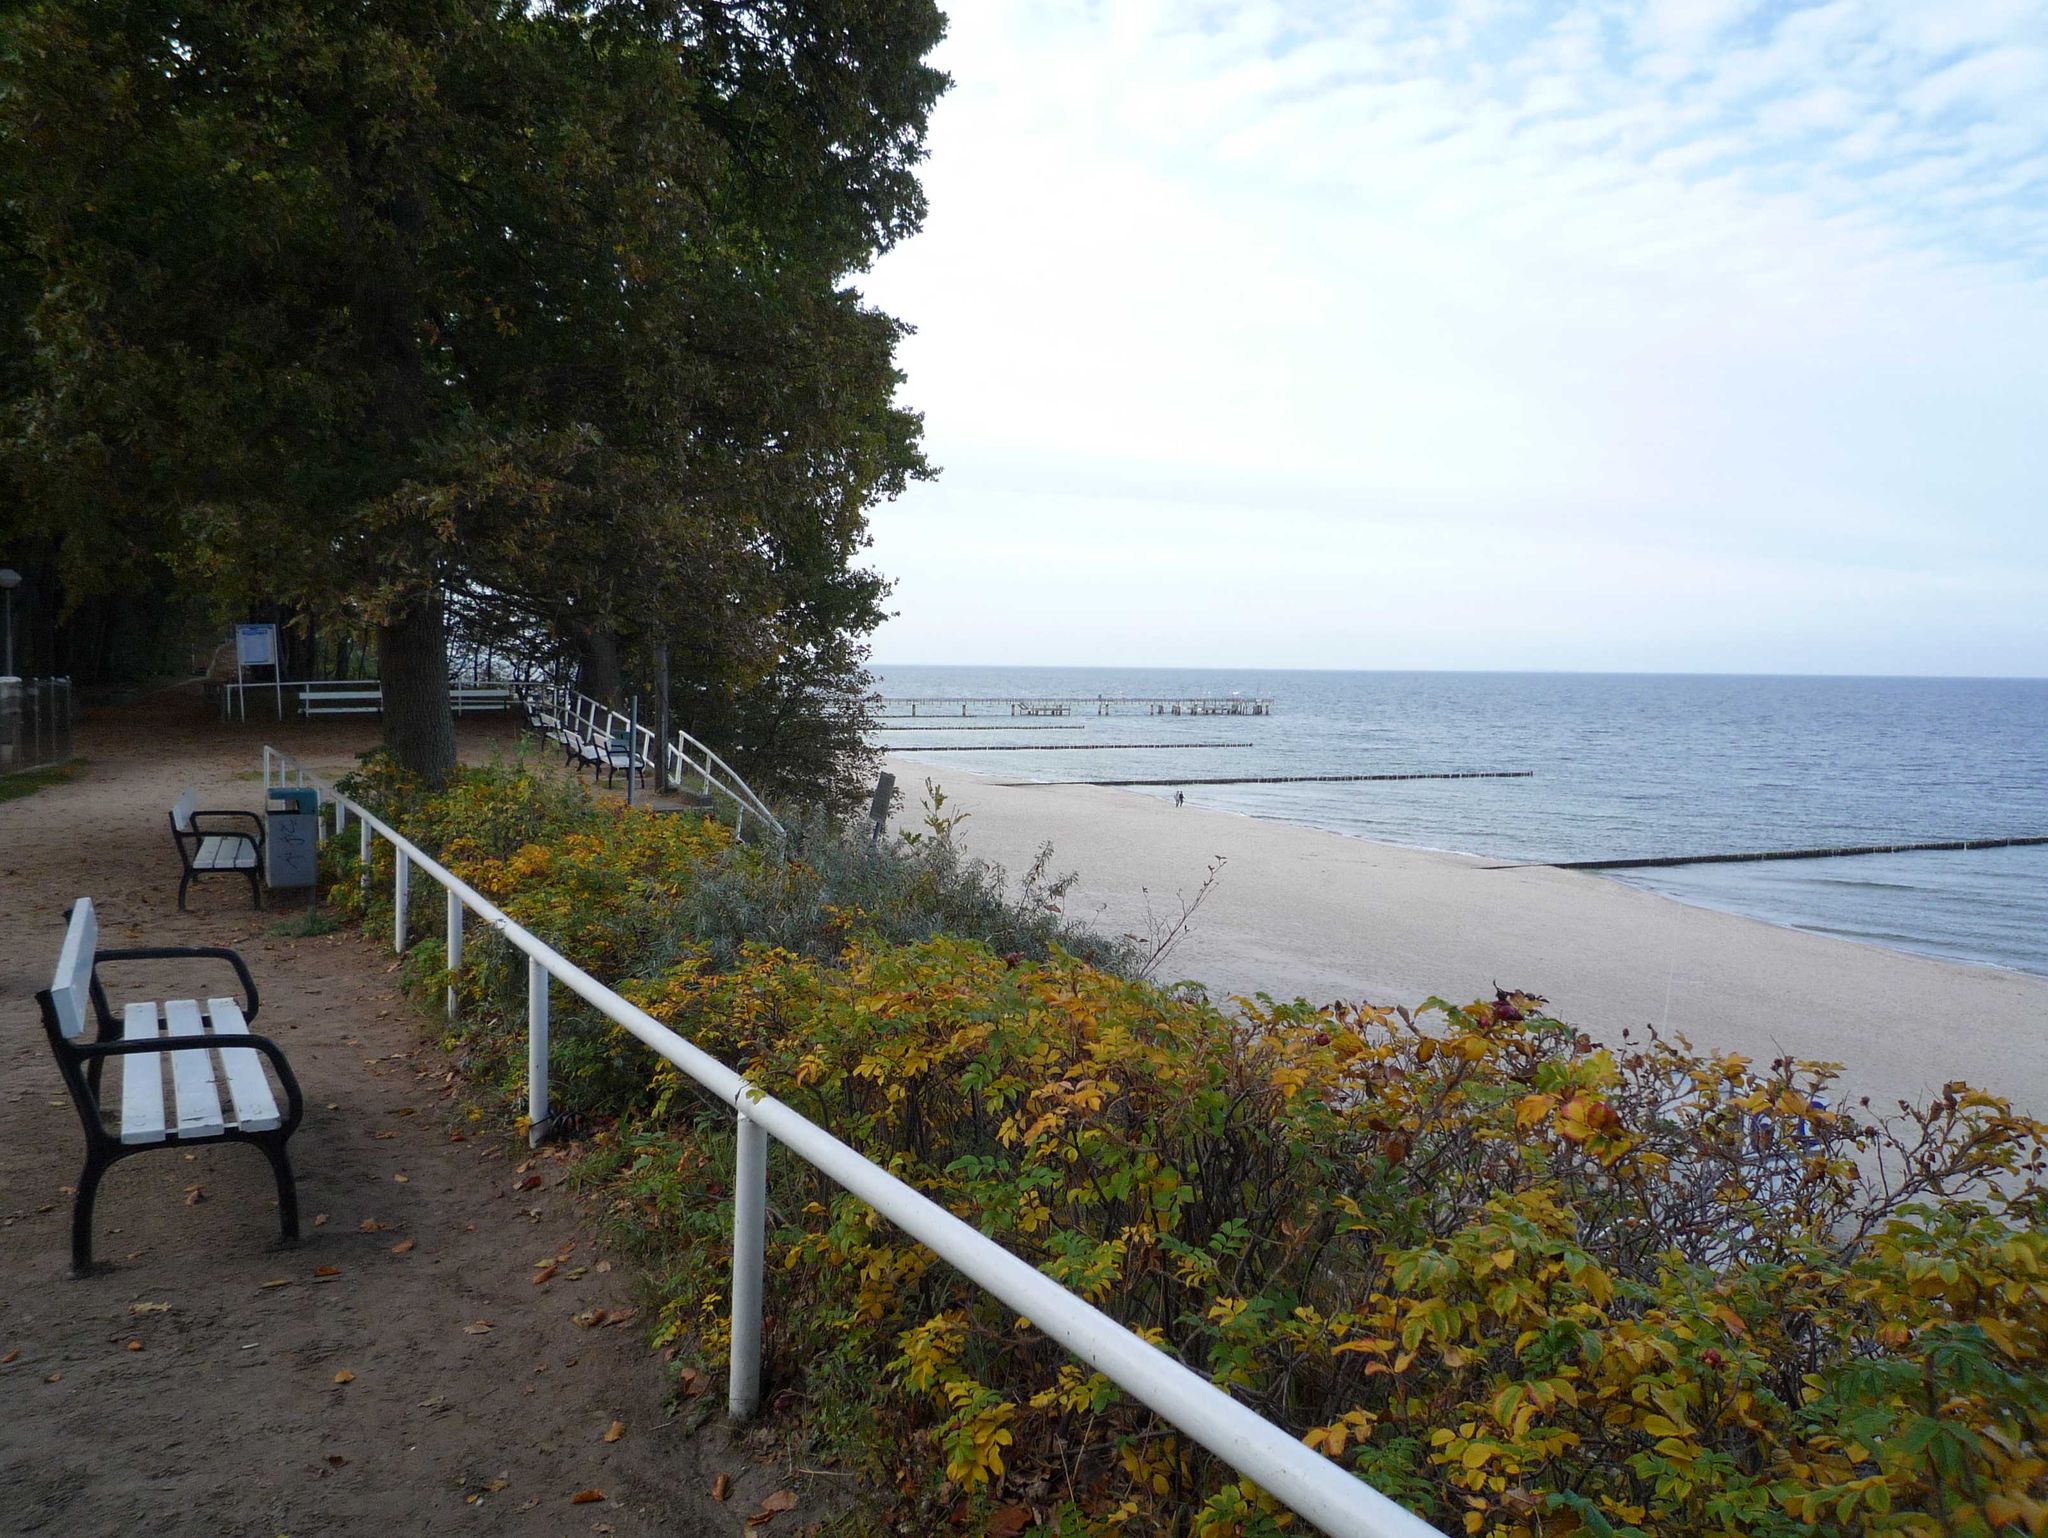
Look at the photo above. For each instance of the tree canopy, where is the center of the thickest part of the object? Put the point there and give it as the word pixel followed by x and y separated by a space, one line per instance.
pixel 542 309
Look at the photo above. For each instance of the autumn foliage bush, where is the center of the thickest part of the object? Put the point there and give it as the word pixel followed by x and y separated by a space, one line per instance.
pixel 1520 1281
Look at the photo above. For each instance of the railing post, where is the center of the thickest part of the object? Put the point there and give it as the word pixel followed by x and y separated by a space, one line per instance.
pixel 749 1237
pixel 364 828
pixel 454 946
pixel 401 893
pixel 536 1049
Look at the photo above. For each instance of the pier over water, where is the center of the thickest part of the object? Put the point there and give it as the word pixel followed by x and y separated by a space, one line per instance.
pixel 1074 705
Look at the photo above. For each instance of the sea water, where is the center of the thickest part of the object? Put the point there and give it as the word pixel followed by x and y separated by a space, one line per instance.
pixel 1622 766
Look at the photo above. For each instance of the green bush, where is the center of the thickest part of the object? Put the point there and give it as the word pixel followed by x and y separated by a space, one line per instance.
pixel 1523 1283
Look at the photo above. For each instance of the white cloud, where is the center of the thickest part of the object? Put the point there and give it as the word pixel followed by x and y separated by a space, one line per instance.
pixel 1358 289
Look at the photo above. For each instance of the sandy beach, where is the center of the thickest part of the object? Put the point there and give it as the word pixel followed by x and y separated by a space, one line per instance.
pixel 1296 911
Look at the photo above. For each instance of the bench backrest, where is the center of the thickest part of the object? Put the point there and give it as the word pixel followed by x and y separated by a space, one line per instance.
pixel 181 813
pixel 71 988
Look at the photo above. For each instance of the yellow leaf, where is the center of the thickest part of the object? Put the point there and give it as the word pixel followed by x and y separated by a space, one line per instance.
pixel 616 1430
pixel 344 1376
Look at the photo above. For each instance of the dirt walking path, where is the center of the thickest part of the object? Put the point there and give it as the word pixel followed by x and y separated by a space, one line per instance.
pixel 399 1371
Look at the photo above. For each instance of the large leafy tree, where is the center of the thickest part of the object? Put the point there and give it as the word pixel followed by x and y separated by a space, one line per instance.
pixel 543 306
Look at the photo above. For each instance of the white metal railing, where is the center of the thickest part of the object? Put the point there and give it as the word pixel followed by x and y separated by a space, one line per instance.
pixel 682 756
pixel 1319 1490
pixel 335 696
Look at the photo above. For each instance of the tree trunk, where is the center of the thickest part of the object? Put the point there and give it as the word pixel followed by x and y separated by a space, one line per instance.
pixel 419 726
pixel 598 671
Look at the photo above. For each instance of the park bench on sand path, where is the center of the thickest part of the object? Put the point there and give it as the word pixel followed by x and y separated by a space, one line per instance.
pixel 193 1040
pixel 202 853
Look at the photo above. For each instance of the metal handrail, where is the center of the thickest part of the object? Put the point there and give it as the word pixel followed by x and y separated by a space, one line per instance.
pixel 1319 1490
pixel 585 713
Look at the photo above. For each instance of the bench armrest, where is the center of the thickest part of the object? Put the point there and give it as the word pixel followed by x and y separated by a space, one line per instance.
pixel 180 952
pixel 253 818
pixel 211 1040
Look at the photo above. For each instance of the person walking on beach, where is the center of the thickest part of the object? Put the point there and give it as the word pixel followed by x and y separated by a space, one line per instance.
pixel 1180 798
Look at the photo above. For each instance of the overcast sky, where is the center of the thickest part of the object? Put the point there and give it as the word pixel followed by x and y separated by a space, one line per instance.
pixel 1685 335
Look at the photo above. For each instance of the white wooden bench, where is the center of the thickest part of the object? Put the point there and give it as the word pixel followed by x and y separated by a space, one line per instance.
pixel 219 1093
pixel 618 754
pixel 581 751
pixel 205 852
pixel 474 697
pixel 366 701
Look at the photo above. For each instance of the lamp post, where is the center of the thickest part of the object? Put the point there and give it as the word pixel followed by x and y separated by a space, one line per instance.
pixel 9 581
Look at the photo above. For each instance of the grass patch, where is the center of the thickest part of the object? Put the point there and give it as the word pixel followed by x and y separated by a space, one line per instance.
pixel 306 925
pixel 14 786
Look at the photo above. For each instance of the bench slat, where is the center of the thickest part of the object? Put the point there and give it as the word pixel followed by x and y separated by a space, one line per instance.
pixel 255 1106
pixel 192 1072
pixel 142 1079
pixel 72 986
pixel 225 851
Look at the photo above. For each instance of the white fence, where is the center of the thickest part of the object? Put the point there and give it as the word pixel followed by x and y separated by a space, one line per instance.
pixel 682 757
pixel 35 723
pixel 353 696
pixel 1314 1487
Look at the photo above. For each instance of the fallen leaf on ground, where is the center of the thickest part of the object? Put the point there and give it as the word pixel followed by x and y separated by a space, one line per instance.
pixel 690 1381
pixel 481 1327
pixel 527 1184
pixel 1009 1522
pixel 493 1486
pixel 53 1377
pixel 281 1281
pixel 134 1345
pixel 544 1274
pixel 403 1247
pixel 327 1270
pixel 319 1220
pixel 149 1308
pixel 335 1460
pixel 12 1356
pixel 589 1317
pixel 780 1501
pixel 614 1431
pixel 585 1497
pixel 194 1196
pixel 721 1487
pixel 369 1226
pixel 602 1267
pixel 344 1376
pixel 384 1135
pixel 402 1179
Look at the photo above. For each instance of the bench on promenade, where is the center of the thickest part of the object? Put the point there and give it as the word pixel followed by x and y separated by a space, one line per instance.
pixel 366 701
pixel 474 697
pixel 618 754
pixel 219 1091
pixel 581 752
pixel 204 852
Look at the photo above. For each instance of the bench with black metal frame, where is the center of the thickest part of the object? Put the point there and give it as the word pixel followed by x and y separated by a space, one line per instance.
pixel 618 754
pixel 205 853
pixel 204 1048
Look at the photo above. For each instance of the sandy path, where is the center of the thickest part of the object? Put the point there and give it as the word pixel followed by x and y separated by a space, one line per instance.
pixel 228 1419
pixel 1298 911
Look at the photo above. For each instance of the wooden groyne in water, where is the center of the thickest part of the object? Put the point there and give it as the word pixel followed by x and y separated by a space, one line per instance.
pixel 1310 779
pixel 1075 705
pixel 1090 747
pixel 1844 852
pixel 989 728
